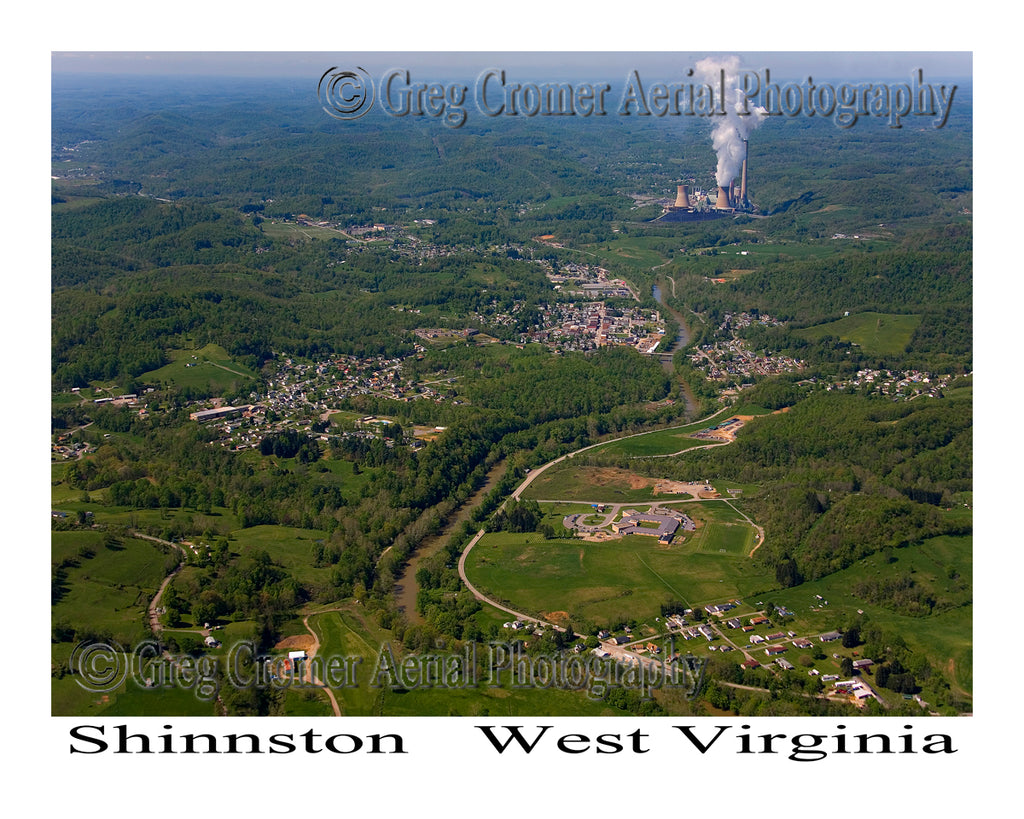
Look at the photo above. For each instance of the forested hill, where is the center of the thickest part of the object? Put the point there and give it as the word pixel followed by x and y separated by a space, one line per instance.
pixel 242 142
pixel 133 276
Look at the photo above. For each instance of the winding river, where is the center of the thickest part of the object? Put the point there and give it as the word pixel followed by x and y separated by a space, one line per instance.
pixel 682 339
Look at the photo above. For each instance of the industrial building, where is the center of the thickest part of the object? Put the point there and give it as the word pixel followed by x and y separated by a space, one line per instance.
pixel 691 205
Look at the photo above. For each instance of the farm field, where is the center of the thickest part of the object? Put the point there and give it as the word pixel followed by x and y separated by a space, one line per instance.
pixel 643 252
pixel 68 698
pixel 102 587
pixel 288 547
pixel 345 632
pixel 107 582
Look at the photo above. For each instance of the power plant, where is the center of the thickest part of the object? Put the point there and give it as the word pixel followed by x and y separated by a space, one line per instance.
pixel 694 205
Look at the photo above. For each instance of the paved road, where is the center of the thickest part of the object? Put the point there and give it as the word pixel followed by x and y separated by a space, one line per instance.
pixel 516 495
pixel 526 618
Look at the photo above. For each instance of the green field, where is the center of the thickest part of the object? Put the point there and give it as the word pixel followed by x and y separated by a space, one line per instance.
pixel 346 633
pixel 209 368
pixel 643 252
pixel 347 636
pixel 725 530
pixel 219 520
pixel 589 484
pixel 600 484
pixel 944 636
pixel 660 442
pixel 667 441
pixel 106 586
pixel 288 547
pixel 877 333
pixel 109 582
pixel 130 698
pixel 626 578
pixel 289 230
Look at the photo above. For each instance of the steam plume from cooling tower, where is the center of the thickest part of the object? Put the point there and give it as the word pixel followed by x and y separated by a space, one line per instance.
pixel 730 131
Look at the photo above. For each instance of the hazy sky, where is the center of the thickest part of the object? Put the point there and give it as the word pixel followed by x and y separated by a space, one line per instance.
pixel 837 65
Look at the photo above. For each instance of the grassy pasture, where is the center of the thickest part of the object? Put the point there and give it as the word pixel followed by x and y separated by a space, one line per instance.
pixel 130 698
pixel 290 230
pixel 641 252
pixel 348 633
pixel 486 701
pixel 219 520
pixel 944 637
pixel 287 546
pixel 109 590
pixel 106 591
pixel 628 577
pixel 209 367
pixel 877 333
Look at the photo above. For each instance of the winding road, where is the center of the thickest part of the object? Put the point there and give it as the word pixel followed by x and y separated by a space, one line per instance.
pixel 153 612
pixel 309 679
pixel 517 493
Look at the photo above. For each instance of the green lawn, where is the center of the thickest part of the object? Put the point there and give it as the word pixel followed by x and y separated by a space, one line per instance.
pixel 626 578
pixel 728 538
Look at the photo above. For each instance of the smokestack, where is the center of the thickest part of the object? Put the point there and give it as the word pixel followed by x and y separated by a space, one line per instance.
pixel 683 196
pixel 723 203
pixel 743 177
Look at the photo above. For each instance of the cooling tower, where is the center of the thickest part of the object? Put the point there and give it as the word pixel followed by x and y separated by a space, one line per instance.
pixel 723 203
pixel 682 196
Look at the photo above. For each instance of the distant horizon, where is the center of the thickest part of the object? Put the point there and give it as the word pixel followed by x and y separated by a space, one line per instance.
pixel 791 65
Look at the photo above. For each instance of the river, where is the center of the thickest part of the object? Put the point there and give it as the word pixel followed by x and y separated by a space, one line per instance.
pixel 406 588
pixel 682 339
